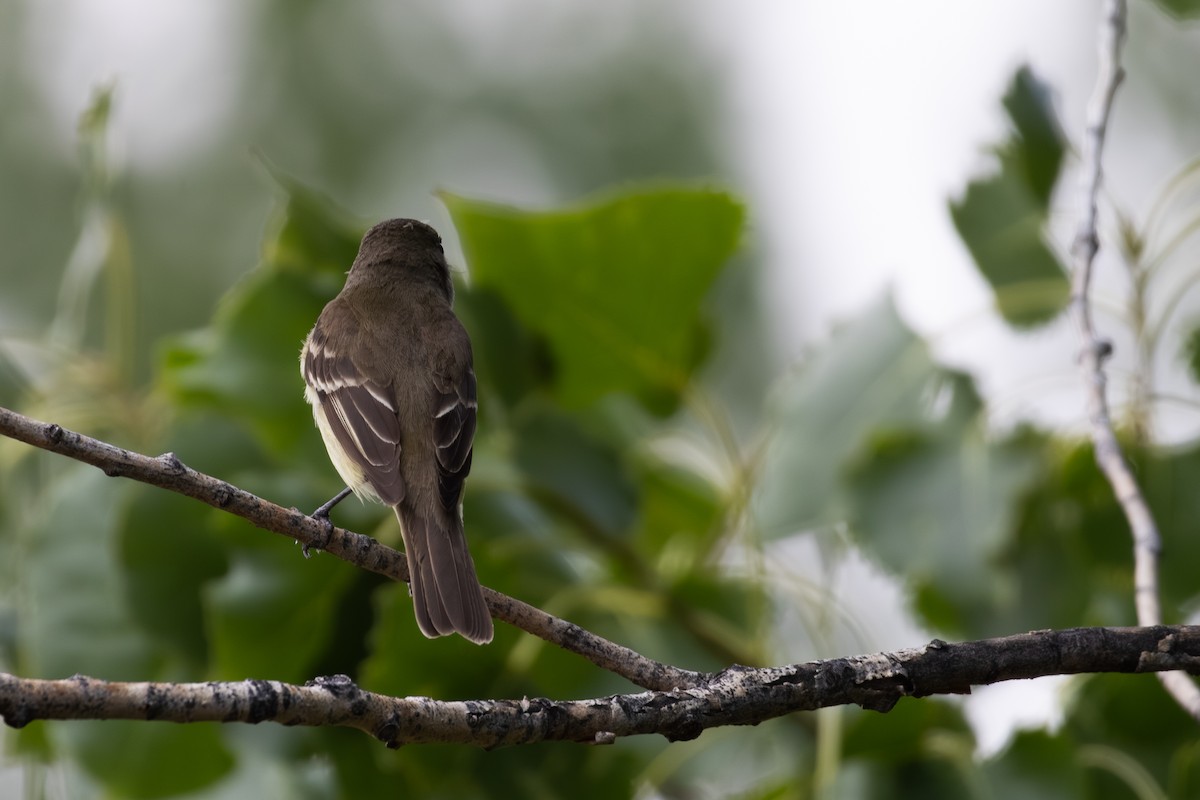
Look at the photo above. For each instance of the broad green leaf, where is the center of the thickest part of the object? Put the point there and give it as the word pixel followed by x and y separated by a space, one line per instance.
pixel 1072 561
pixel 1169 478
pixel 517 551
pixel 932 774
pixel 680 516
pixel 771 760
pixel 573 473
pixel 511 361
pixel 1001 218
pixel 72 543
pixel 1056 583
pixel 1036 765
pixel 246 363
pixel 871 431
pixel 615 286
pixel 550 771
pixel 315 236
pixel 150 759
pixel 165 573
pixel 873 373
pixel 1180 9
pixel 937 509
pixel 91 629
pixel 921 748
pixel 1038 144
pixel 1191 354
pixel 273 613
pixel 403 662
pixel 897 736
pixel 1133 732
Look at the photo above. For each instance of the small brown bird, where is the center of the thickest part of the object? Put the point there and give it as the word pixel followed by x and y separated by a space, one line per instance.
pixel 388 371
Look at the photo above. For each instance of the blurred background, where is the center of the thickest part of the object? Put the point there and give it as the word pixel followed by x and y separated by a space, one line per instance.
pixel 846 128
pixel 148 151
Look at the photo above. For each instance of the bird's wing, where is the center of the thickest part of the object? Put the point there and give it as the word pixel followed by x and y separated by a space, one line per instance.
pixel 454 429
pixel 360 413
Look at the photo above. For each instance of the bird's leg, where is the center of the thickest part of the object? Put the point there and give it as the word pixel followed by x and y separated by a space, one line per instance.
pixel 323 511
pixel 322 514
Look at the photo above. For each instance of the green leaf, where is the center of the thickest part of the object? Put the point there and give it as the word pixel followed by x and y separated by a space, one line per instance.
pixel 680 518
pixel 273 613
pixel 1036 765
pixel 139 759
pixel 403 662
pixel 88 629
pixel 245 361
pixel 1191 354
pixel 1133 733
pixel 897 736
pixel 1002 218
pixel 165 574
pixel 246 365
pixel 1180 9
pixel 871 431
pixel 1038 144
pixel 938 508
pixel 573 473
pixel 616 286
pixel 1071 561
pixel 771 760
pixel 79 621
pixel 511 362
pixel 315 235
pixel 1169 478
pixel 874 373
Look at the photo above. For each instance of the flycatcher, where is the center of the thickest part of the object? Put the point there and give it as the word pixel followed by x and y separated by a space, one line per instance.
pixel 388 372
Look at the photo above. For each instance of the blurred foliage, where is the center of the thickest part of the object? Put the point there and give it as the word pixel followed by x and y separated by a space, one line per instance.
pixel 1002 218
pixel 1183 9
pixel 618 480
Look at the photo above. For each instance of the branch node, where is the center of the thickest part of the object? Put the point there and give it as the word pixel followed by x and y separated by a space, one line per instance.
pixel 337 685
pixel 172 463
pixel 223 495
pixel 685 730
pixel 54 433
pixel 1086 243
pixel 883 702
pixel 1163 661
pixel 387 734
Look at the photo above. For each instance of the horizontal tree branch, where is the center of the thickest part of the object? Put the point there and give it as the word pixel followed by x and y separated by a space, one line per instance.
pixel 735 696
pixel 168 472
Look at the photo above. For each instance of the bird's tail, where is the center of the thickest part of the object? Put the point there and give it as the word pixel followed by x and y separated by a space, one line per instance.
pixel 447 597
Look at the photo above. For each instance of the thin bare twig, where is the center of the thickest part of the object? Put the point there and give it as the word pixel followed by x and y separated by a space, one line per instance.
pixel 1109 456
pixel 168 472
pixel 735 696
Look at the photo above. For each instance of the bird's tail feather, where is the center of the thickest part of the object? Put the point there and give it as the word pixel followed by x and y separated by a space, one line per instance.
pixel 447 597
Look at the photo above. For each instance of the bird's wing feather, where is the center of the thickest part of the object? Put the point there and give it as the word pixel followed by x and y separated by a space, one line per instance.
pixel 360 412
pixel 454 432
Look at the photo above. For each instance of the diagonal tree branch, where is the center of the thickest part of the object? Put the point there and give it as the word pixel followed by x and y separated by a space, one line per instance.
pixel 168 472
pixel 735 696
pixel 1109 456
